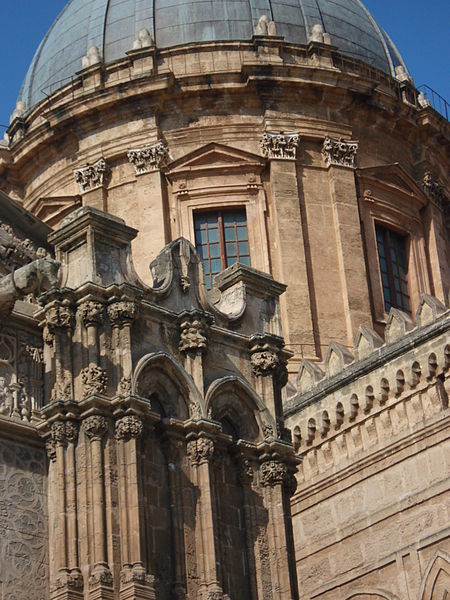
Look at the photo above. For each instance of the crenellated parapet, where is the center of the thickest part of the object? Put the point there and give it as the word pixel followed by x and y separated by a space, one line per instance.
pixel 366 400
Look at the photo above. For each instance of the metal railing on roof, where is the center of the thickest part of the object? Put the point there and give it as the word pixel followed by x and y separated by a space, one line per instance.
pixel 439 103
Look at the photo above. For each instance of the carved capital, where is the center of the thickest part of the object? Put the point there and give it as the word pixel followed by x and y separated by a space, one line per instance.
pixel 69 581
pixel 339 152
pixel 91 177
pixel 149 158
pixel 101 578
pixel 122 312
pixel 280 145
pixel 64 432
pixel 59 315
pixel 94 380
pixel 128 427
pixel 193 331
pixel 138 576
pixel 265 354
pixel 91 313
pixel 273 473
pixel 95 427
pixel 200 450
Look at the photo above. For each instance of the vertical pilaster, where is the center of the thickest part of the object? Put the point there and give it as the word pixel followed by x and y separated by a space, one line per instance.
pixel 122 312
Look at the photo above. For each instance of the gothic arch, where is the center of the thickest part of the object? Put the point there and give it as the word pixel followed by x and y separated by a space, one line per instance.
pixel 228 396
pixel 159 374
pixel 436 580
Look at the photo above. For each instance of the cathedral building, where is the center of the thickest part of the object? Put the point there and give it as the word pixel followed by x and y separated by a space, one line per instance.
pixel 224 310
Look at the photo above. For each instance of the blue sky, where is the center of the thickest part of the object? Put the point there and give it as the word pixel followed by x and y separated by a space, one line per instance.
pixel 419 29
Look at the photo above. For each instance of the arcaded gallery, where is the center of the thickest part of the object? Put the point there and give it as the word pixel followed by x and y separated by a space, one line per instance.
pixel 224 309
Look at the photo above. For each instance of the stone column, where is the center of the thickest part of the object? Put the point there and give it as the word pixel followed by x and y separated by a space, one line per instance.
pixel 339 156
pixel 149 192
pixel 274 476
pixel 173 446
pixel 200 452
pixel 58 325
pixel 269 367
pixel 100 581
pixel 291 265
pixel 68 582
pixel 121 314
pixel 135 583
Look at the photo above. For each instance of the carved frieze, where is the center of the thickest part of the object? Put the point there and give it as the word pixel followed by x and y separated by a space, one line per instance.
pixel 149 158
pixel 280 145
pixel 339 152
pixel 122 312
pixel 94 380
pixel 129 427
pixel 91 177
pixel 95 427
pixel 91 313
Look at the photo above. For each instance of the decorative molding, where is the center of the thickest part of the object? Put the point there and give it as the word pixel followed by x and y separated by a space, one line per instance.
pixel 63 433
pixel 149 158
pixel 339 152
pixel 128 427
pixel 282 146
pixel 94 380
pixel 91 177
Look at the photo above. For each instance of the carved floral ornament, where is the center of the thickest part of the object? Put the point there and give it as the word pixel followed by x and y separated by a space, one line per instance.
pixel 282 146
pixel 95 427
pixel 193 332
pixel 94 380
pixel 339 152
pixel 59 315
pixel 91 177
pixel 149 158
pixel 91 313
pixel 274 472
pixel 200 450
pixel 128 427
pixel 62 433
pixel 122 312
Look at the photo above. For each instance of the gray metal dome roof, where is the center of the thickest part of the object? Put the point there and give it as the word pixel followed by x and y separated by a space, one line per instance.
pixel 113 25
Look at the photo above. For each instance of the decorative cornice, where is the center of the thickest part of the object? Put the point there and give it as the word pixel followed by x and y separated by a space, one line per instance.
pixel 282 146
pixel 95 427
pixel 91 177
pixel 149 158
pixel 129 427
pixel 339 152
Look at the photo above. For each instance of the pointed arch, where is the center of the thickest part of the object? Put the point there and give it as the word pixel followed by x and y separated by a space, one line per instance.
pixel 159 374
pixel 436 579
pixel 228 396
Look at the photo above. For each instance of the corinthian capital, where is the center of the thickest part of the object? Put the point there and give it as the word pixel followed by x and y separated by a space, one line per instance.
pixel 62 433
pixel 280 145
pixel 339 152
pixel 200 451
pixel 95 427
pixel 91 177
pixel 129 427
pixel 149 158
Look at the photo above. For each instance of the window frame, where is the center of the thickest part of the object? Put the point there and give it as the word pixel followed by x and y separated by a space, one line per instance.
pixel 388 245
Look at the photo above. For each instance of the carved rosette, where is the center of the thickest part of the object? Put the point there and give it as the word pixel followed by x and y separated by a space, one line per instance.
pixel 94 380
pixel 95 427
pixel 273 473
pixel 91 313
pixel 128 427
pixel 193 332
pixel 122 312
pixel 91 177
pixel 339 152
pixel 282 146
pixel 200 450
pixel 149 158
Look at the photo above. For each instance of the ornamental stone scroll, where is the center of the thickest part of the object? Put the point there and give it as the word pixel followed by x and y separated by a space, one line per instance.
pixel 281 146
pixel 339 152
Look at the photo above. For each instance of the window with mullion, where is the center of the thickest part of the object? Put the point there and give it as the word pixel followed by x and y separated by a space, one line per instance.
pixel 393 263
pixel 221 239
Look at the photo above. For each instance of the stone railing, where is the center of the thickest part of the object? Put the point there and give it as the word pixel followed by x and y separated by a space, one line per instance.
pixel 386 390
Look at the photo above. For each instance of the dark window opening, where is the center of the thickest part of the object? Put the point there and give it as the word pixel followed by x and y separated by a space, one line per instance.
pixel 221 239
pixel 392 257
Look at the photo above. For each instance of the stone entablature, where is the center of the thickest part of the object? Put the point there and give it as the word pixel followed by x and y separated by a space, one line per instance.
pixel 339 152
pixel 149 158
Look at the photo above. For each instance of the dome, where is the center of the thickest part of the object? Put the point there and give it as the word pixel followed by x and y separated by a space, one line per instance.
pixel 113 25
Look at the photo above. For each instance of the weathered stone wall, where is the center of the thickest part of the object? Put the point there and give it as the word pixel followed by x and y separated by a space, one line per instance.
pixel 371 511
pixel 23 521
